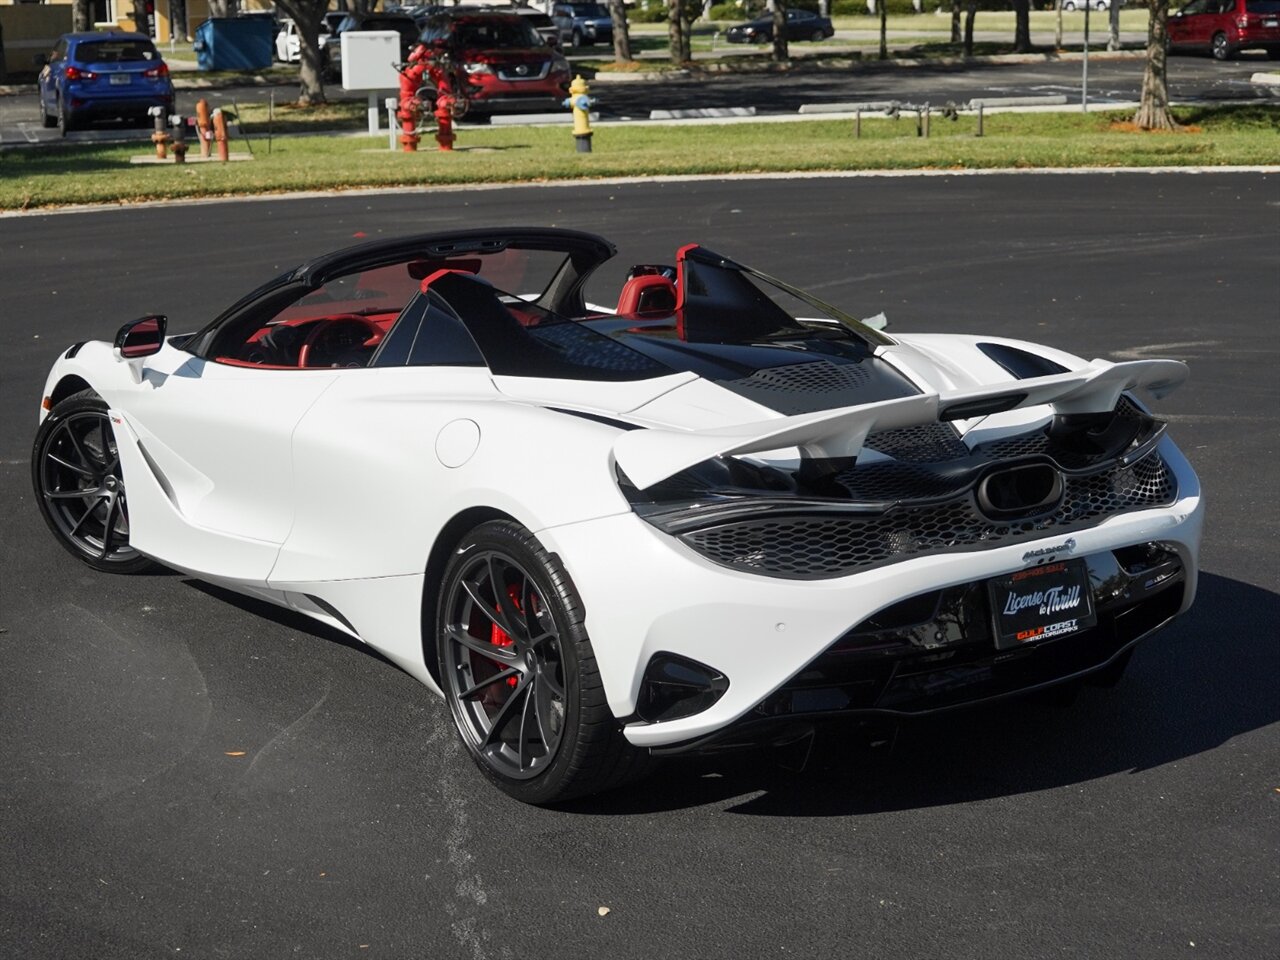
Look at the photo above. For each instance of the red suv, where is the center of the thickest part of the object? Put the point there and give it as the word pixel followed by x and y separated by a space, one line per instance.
pixel 501 63
pixel 1224 26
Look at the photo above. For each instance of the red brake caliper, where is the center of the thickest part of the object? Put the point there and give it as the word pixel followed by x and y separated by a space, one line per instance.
pixel 499 637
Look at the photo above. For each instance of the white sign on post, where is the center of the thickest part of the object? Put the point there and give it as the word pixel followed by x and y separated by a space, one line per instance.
pixel 368 63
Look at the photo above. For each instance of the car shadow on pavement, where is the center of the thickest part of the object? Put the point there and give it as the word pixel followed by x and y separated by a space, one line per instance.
pixel 286 618
pixel 1205 679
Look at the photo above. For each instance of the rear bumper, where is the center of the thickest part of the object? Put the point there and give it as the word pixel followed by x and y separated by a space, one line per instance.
pixel 764 633
pixel 119 106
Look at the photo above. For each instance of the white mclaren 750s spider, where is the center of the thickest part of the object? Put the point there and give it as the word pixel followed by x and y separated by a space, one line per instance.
pixel 716 514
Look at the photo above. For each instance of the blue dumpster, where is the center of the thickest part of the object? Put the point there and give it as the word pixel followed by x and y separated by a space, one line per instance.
pixel 234 43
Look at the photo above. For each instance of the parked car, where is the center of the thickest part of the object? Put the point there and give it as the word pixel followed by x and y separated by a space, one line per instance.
pixel 536 19
pixel 331 45
pixel 801 25
pixel 1223 27
pixel 719 515
pixel 101 76
pixel 501 63
pixel 1073 5
pixel 583 24
pixel 288 40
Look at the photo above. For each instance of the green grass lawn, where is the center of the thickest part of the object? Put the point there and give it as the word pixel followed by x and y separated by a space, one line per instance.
pixel 1228 135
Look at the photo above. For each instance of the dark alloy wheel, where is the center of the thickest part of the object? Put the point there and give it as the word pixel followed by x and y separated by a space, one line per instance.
pixel 817 36
pixel 75 470
pixel 519 674
pixel 1221 47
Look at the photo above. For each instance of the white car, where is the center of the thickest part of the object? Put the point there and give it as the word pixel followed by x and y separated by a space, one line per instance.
pixel 1072 5
pixel 713 515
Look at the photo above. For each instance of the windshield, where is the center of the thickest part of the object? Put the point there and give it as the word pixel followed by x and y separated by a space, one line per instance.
pixel 591 10
pixel 116 51
pixel 496 33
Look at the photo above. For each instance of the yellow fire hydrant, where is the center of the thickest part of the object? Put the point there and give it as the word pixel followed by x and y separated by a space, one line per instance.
pixel 581 104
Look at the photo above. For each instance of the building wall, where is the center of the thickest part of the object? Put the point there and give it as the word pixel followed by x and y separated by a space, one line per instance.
pixel 30 29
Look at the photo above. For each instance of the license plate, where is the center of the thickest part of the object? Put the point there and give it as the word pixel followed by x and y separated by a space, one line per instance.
pixel 120 78
pixel 1052 600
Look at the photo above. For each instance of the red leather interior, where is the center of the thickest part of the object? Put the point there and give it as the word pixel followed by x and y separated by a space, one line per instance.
pixel 649 295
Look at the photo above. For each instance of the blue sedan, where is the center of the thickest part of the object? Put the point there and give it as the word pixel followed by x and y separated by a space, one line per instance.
pixel 95 76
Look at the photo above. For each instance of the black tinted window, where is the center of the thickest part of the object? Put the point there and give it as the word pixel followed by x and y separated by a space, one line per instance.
pixel 115 51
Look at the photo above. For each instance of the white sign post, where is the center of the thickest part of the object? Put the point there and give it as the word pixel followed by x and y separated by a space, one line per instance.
pixel 368 63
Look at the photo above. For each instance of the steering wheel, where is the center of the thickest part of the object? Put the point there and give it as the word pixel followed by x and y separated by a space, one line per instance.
pixel 336 335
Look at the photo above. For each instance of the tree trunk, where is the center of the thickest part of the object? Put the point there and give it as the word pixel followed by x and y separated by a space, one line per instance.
pixel 621 31
pixel 221 8
pixel 1113 22
pixel 675 32
pixel 1057 33
pixel 1022 26
pixel 780 52
pixel 971 12
pixel 1153 108
pixel 955 21
pixel 81 16
pixel 308 14
pixel 178 20
pixel 884 33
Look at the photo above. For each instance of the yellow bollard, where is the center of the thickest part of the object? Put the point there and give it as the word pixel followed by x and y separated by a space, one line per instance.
pixel 581 104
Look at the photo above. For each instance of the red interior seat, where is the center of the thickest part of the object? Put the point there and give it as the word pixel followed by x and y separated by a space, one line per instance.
pixel 649 295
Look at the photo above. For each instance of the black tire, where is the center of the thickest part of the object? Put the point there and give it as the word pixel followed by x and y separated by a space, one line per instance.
pixel 64 121
pixel 79 488
pixel 1220 47
pixel 761 38
pixel 48 120
pixel 519 674
pixel 576 39
pixel 1069 6
pixel 817 36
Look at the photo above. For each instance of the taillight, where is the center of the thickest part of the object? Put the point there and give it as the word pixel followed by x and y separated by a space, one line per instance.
pixel 158 71
pixel 1242 22
pixel 75 73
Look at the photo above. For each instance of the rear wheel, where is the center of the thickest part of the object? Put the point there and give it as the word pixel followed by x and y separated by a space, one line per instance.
pixel 64 120
pixel 519 673
pixel 75 470
pixel 817 36
pixel 1220 47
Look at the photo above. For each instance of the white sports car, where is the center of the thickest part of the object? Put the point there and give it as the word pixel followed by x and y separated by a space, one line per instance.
pixel 715 515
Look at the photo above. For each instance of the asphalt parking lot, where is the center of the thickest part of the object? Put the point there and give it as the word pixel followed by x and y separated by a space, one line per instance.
pixel 192 774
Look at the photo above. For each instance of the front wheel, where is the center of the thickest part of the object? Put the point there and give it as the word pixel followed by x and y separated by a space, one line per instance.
pixel 817 36
pixel 1220 47
pixel 75 470
pixel 519 673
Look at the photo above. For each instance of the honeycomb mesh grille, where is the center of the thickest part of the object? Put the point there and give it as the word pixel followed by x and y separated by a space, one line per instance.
pixel 925 443
pixel 818 546
pixel 1037 442
pixel 815 376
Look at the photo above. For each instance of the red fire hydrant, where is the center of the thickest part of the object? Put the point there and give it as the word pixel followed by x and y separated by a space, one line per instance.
pixel 424 63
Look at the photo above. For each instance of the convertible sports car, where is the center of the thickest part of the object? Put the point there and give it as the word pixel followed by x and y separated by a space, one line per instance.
pixel 712 516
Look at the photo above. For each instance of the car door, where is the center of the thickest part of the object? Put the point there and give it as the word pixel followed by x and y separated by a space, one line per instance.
pixel 211 485
pixel 48 79
pixel 1179 25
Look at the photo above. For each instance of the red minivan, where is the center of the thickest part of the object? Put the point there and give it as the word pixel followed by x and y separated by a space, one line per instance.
pixel 1224 26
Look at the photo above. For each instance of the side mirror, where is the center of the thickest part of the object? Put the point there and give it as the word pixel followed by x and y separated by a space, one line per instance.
pixel 141 338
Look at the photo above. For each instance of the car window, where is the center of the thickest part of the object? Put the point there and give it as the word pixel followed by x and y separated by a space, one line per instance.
pixel 116 51
pixel 496 33
pixel 1262 6
pixel 1195 7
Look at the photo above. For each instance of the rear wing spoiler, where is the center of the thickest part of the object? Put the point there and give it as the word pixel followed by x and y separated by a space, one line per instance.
pixel 651 456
